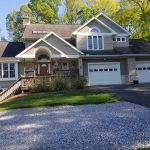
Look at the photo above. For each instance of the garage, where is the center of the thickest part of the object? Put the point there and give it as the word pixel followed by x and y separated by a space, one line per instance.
pixel 104 73
pixel 143 71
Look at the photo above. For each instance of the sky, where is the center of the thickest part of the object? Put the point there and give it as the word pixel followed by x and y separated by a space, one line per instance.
pixel 7 6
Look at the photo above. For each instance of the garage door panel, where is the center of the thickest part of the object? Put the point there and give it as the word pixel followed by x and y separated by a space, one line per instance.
pixel 104 74
pixel 143 71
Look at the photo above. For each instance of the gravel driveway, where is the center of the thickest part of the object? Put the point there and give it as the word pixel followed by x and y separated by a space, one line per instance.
pixel 115 126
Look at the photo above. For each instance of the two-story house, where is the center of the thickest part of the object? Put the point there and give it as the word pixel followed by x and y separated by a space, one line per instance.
pixel 100 50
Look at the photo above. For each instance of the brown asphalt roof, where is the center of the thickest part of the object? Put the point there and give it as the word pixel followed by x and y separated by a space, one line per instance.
pixel 63 31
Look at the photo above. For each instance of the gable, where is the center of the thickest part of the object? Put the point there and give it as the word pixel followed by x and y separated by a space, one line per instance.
pixel 40 45
pixel 92 24
pixel 62 45
pixel 111 24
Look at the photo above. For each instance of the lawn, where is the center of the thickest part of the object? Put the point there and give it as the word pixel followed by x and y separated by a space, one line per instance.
pixel 56 99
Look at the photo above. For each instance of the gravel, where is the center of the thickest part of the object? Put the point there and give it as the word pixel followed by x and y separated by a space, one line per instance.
pixel 113 126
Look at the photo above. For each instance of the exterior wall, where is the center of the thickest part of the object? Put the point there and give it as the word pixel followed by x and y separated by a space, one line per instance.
pixel 111 25
pixel 61 45
pixel 122 44
pixel 108 42
pixel 6 84
pixel 92 24
pixel 81 42
pixel 123 66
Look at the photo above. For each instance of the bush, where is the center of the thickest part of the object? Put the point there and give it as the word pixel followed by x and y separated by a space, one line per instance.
pixel 39 85
pixel 79 82
pixel 60 83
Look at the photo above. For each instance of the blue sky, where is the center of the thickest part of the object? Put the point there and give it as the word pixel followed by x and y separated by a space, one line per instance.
pixel 7 6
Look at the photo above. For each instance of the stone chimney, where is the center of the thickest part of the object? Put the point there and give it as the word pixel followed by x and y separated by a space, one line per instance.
pixel 26 20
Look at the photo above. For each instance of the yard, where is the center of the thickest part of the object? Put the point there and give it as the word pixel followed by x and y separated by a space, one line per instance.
pixel 55 99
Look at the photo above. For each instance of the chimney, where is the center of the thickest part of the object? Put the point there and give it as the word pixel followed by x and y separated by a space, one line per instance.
pixel 26 20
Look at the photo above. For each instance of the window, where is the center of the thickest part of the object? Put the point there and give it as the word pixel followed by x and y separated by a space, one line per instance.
pixel 95 30
pixel 8 71
pixel 65 66
pixel 95 42
pixel 119 39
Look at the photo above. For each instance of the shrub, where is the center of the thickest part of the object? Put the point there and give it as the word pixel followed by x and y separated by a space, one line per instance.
pixel 39 85
pixel 60 83
pixel 79 82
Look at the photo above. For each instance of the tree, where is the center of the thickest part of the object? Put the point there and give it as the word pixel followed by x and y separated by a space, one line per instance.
pixel 94 7
pixel 72 7
pixel 134 14
pixel 14 22
pixel 45 10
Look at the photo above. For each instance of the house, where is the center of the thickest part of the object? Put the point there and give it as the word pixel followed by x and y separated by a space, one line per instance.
pixel 100 50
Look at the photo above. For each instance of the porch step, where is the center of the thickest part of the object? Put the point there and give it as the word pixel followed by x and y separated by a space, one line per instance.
pixel 12 90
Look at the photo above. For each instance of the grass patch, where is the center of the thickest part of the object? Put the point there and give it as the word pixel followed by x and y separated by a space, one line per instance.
pixel 56 99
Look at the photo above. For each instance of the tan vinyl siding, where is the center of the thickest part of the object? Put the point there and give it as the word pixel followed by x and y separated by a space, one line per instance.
pixel 6 84
pixel 108 43
pixel 92 24
pixel 61 45
pixel 122 44
pixel 81 42
pixel 111 25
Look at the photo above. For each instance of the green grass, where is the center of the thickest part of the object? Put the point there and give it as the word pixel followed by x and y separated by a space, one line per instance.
pixel 55 99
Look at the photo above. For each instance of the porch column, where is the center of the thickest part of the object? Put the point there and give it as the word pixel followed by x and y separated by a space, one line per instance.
pixel 80 63
pixel 131 63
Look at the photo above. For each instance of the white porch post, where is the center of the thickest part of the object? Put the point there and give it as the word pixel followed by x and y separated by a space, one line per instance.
pixel 80 63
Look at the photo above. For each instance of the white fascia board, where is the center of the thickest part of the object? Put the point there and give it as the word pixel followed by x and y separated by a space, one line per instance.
pixel 20 55
pixel 113 22
pixel 62 41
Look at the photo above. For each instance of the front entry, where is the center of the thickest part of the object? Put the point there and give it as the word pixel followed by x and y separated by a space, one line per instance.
pixel 43 69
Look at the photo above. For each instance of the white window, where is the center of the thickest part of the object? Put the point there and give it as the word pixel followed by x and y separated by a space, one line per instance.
pixel 119 39
pixel 95 30
pixel 8 71
pixel 95 42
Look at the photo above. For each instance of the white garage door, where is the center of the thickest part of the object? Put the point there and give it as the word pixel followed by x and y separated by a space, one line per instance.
pixel 104 73
pixel 143 71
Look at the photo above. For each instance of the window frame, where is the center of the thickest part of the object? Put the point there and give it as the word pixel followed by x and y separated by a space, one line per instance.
pixel 119 37
pixel 93 35
pixel 9 78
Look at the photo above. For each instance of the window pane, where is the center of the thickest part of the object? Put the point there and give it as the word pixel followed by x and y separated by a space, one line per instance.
pixel 118 39
pixel 95 42
pixel 5 70
pixel 123 39
pixel 94 30
pixel 100 42
pixel 89 42
pixel 12 70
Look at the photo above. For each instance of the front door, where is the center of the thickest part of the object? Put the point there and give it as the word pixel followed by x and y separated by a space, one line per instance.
pixel 43 69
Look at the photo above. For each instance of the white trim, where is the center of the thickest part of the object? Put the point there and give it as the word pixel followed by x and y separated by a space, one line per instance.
pixel 52 33
pixel 49 68
pixel 99 31
pixel 113 22
pixel 86 33
pixel 116 37
pixel 16 72
pixel 94 18
pixel 106 63
pixel 33 56
pixel 97 43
